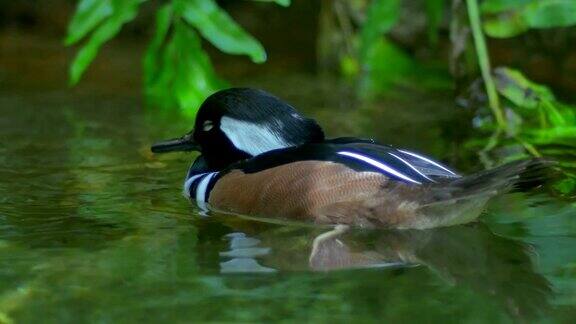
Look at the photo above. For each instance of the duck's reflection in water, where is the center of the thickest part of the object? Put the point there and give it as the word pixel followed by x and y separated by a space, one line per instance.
pixel 470 256
pixel 243 253
pixel 330 252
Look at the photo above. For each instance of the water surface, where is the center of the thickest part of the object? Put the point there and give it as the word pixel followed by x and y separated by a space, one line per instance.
pixel 94 228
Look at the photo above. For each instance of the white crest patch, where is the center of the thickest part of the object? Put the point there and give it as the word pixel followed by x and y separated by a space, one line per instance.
pixel 251 138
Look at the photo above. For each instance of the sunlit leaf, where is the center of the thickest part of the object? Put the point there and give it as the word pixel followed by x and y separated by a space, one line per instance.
pixel 560 135
pixel 195 78
pixel 505 25
pixel 178 71
pixel 88 15
pixel 221 30
pixel 557 113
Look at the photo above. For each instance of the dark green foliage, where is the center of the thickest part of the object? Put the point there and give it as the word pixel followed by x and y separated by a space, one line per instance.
pixel 546 126
pixel 380 61
pixel 381 16
pixel 546 121
pixel 537 124
pixel 382 64
pixel 177 70
pixel 102 19
pixel 434 13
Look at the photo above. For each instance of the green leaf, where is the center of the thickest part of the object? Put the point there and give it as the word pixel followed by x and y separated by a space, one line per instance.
pixel 555 135
pixel 557 115
pixel 566 186
pixel 284 3
pixel 551 13
pixel 385 66
pixel 123 12
pixel 514 86
pixel 152 58
pixel 546 122
pixel 221 30
pixel 89 51
pixel 88 15
pixel 381 16
pixel 178 71
pixel 194 78
pixel 505 25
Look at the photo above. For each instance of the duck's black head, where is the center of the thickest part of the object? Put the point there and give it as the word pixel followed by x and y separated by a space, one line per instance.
pixel 238 123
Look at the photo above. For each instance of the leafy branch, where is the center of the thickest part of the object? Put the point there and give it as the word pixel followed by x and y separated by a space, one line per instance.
pixel 177 71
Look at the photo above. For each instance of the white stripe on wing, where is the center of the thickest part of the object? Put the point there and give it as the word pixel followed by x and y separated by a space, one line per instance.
pixel 379 165
pixel 428 160
pixel 411 166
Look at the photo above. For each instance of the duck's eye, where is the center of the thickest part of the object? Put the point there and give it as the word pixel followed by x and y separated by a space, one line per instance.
pixel 207 125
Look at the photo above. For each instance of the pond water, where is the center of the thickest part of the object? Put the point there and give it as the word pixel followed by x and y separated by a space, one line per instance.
pixel 93 228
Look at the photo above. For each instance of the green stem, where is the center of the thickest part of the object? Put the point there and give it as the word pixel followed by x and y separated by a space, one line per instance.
pixel 529 147
pixel 484 62
pixel 490 145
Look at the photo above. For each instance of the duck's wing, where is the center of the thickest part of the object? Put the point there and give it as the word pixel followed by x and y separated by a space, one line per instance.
pixel 423 164
pixel 360 155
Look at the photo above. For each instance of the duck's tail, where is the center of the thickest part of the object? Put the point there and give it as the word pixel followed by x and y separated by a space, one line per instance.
pixel 517 175
pixel 463 200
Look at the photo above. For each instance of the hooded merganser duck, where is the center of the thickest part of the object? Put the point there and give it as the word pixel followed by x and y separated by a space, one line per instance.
pixel 260 157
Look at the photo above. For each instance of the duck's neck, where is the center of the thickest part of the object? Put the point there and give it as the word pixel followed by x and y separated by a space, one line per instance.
pixel 199 181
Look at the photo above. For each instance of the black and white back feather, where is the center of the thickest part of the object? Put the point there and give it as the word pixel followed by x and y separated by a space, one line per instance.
pixel 360 155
